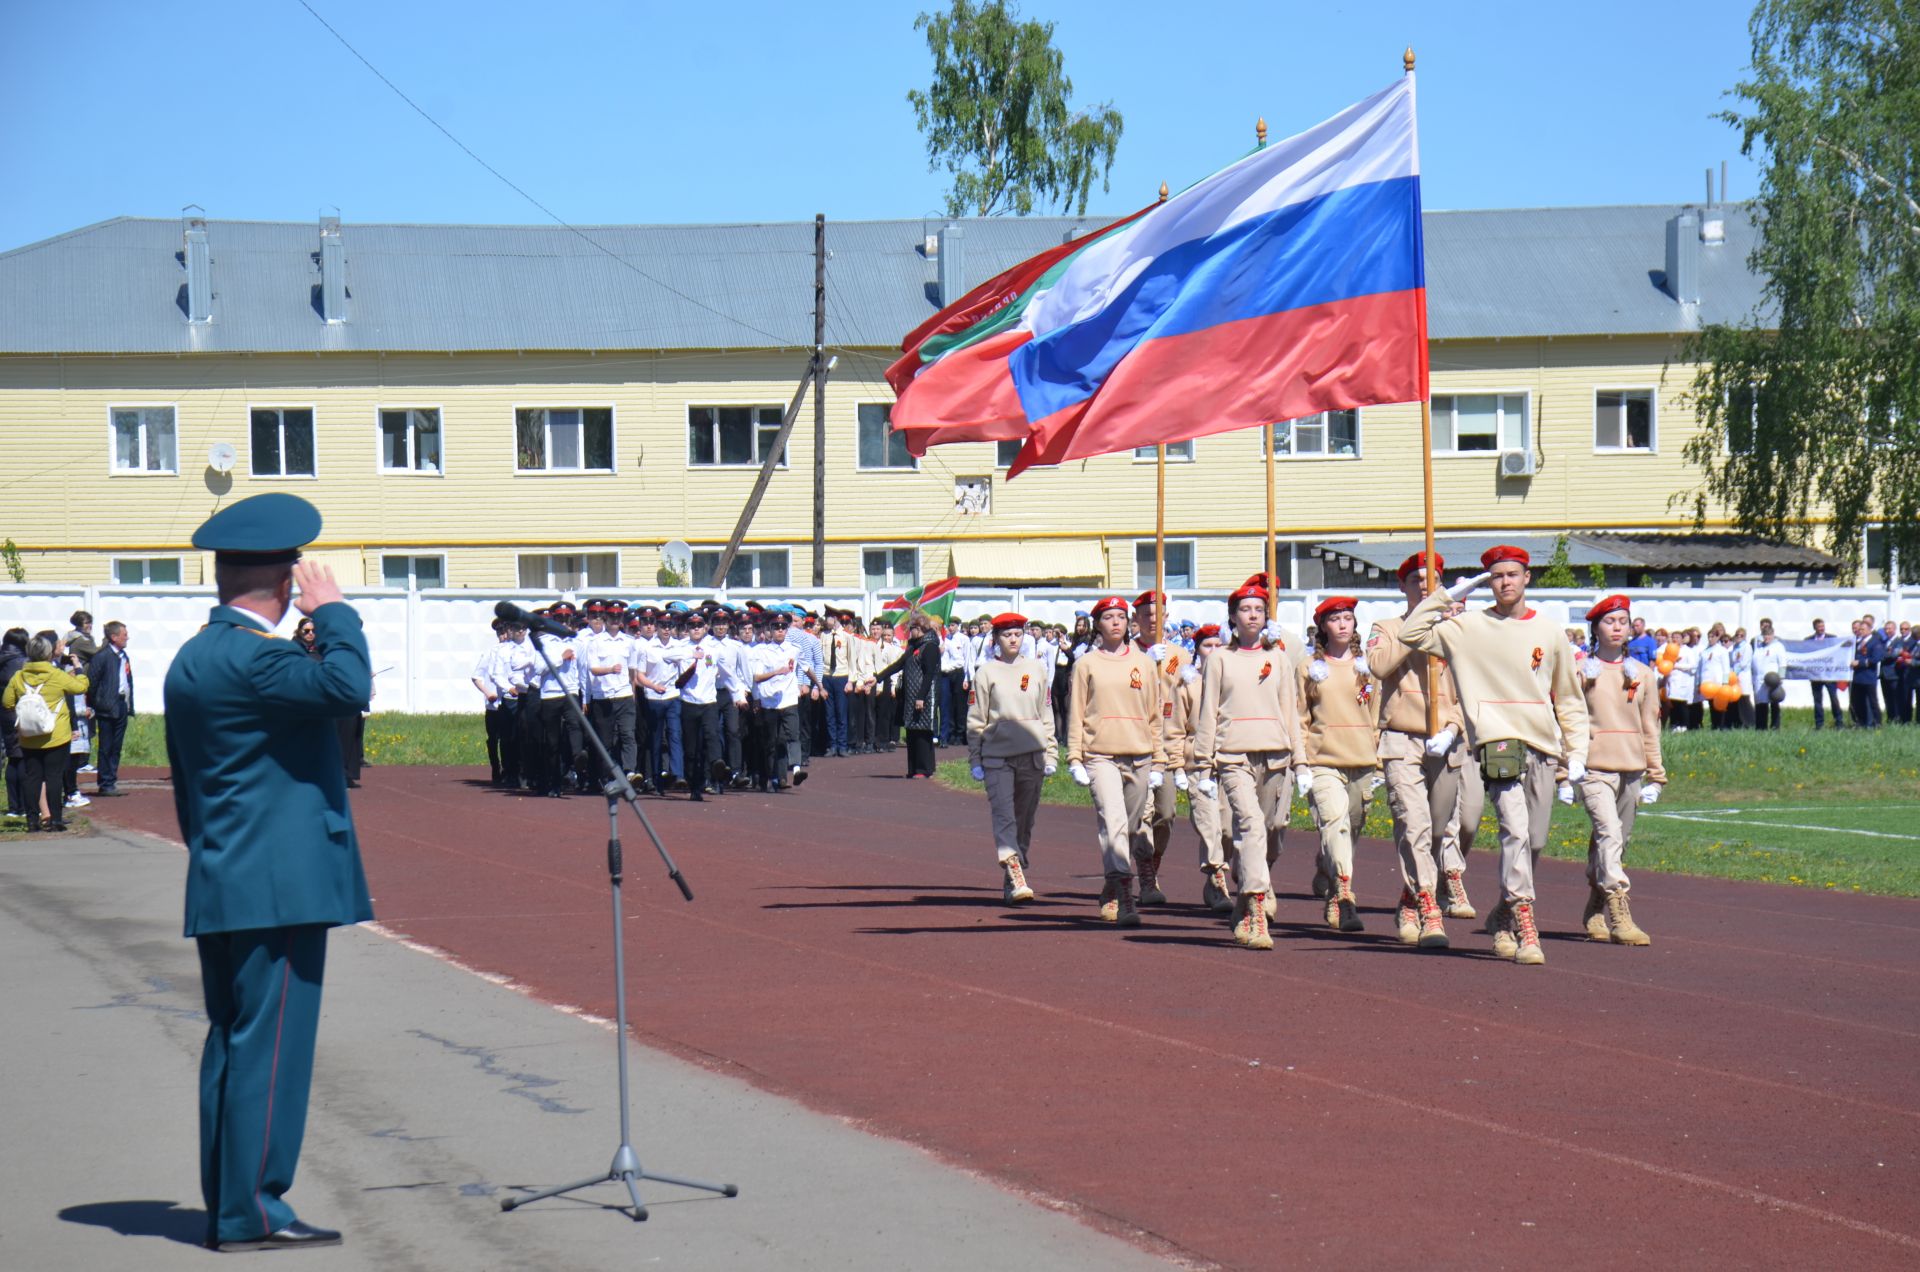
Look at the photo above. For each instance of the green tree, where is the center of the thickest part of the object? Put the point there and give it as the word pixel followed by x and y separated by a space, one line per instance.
pixel 997 114
pixel 10 558
pixel 1812 407
pixel 1559 572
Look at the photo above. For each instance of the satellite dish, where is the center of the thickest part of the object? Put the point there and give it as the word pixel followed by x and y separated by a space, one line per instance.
pixel 677 554
pixel 220 457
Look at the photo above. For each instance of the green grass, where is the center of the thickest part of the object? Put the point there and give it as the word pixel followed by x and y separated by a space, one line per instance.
pixel 392 739
pixel 1714 818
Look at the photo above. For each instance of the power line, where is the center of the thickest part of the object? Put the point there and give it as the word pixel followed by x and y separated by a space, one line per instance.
pixel 780 341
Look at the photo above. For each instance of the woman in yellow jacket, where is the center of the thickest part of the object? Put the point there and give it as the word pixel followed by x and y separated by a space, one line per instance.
pixel 44 755
pixel 1340 746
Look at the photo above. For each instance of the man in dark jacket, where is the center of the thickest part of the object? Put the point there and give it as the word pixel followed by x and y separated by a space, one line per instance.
pixel 110 694
pixel 13 656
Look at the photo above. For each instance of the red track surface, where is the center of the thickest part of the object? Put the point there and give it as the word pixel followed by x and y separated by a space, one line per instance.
pixel 1742 1094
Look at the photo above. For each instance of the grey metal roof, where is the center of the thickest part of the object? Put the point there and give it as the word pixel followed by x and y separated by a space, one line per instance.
pixel 1711 550
pixel 1461 551
pixel 117 287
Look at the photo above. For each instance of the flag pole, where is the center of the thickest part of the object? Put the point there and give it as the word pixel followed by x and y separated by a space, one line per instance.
pixel 1426 487
pixel 1273 576
pixel 1160 524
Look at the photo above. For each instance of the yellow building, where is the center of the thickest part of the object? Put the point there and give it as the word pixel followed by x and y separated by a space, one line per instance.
pixel 489 407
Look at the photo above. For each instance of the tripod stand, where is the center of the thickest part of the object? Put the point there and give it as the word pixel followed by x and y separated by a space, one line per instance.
pixel 626 1168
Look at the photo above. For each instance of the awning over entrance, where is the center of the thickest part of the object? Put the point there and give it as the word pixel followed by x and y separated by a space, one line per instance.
pixel 1031 561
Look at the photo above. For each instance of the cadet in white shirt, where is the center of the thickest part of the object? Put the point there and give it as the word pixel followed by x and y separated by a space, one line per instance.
pixel 700 712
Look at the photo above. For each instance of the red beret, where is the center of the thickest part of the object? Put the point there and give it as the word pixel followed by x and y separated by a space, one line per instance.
pixel 1003 621
pixel 1607 605
pixel 1418 561
pixel 1333 605
pixel 1147 597
pixel 1106 603
pixel 1504 552
pixel 1244 591
pixel 1258 580
pixel 1210 632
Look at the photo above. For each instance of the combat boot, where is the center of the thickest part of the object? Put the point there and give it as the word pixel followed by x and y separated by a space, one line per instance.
pixel 1126 915
pixel 1013 888
pixel 1322 885
pixel 1214 893
pixel 1110 898
pixel 1620 924
pixel 1250 922
pixel 1147 868
pixel 1271 906
pixel 1433 930
pixel 1527 951
pixel 1458 907
pixel 1500 928
pixel 1332 912
pixel 1594 917
pixel 1348 910
pixel 1407 917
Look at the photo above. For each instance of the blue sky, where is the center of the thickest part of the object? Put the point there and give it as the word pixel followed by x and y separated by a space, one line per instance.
pixel 748 111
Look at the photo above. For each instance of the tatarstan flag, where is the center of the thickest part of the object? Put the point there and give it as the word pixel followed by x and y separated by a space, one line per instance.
pixel 935 600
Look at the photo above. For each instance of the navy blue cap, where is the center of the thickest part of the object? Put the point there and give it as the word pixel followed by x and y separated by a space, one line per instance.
pixel 267 529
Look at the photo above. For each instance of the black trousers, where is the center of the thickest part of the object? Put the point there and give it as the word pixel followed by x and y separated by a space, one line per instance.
pixel 1827 690
pixel 1864 703
pixel 733 723
pixel 112 731
pixel 40 772
pixel 614 724
pixel 701 743
pixel 920 757
pixel 557 739
pixel 16 781
pixel 781 737
pixel 860 721
pixel 503 742
pixel 352 731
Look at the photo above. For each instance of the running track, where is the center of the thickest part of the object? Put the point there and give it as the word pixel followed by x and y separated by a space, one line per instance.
pixel 1742 1094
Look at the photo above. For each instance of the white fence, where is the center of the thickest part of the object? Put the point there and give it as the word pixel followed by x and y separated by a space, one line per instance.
pixel 425 644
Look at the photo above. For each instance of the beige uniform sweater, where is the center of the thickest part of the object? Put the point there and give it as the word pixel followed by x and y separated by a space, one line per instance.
pixel 1337 715
pixel 1515 676
pixel 1115 706
pixel 1623 704
pixel 1403 682
pixel 1008 713
pixel 1186 713
pixel 1247 703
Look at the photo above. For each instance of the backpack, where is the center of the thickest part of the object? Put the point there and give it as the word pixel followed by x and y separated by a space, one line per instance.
pixel 32 716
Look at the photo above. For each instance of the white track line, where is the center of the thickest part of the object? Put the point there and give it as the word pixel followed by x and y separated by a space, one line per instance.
pixel 1830 830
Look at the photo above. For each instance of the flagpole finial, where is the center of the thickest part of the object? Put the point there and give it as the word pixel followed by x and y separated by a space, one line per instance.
pixel 1163 192
pixel 1406 59
pixel 1260 131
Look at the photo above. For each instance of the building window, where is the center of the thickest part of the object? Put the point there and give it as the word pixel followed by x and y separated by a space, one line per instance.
pixel 759 567
pixel 414 572
pixel 890 569
pixel 721 435
pixel 143 440
pixel 147 571
pixel 1623 419
pixel 1464 423
pixel 880 446
pixel 1177 452
pixel 410 440
pixel 568 439
pixel 1881 563
pixel 1334 433
pixel 1179 563
pixel 568 571
pixel 1004 453
pixel 282 441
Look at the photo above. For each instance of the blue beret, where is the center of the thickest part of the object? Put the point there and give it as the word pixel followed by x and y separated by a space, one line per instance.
pixel 270 528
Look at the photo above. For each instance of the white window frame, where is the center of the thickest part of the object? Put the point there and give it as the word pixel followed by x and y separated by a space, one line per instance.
pixel 413 560
pixel 1015 443
pixel 513 439
pixel 717 465
pixel 113 440
pixel 1193 560
pixel 1653 420
pixel 1499 439
pixel 913 461
pixel 146 571
pixel 890 549
pixel 619 564
pixel 1177 452
pixel 1359 439
pixel 756 554
pixel 283 408
pixel 380 447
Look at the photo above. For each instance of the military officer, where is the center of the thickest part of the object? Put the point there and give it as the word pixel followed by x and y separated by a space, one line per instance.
pixel 272 861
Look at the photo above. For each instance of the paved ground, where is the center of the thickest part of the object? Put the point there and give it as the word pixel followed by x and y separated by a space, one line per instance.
pixel 437 1094
pixel 1741 1094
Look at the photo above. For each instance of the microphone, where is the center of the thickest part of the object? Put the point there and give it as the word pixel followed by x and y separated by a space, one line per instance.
pixel 532 622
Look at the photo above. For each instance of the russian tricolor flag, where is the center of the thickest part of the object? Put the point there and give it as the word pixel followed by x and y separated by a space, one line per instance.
pixel 1288 283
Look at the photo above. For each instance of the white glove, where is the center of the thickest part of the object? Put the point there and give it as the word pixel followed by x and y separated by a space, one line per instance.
pixel 1590 667
pixel 1441 742
pixel 1360 667
pixel 1189 674
pixel 1155 779
pixel 1465 587
pixel 1206 786
pixel 1577 772
pixel 1181 783
pixel 1303 780
pixel 979 774
pixel 1650 795
pixel 1274 631
pixel 1317 670
pixel 1051 767
pixel 1080 773
pixel 1565 793
pixel 1159 652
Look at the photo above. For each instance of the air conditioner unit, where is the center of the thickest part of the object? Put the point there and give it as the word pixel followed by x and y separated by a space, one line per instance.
pixel 1516 463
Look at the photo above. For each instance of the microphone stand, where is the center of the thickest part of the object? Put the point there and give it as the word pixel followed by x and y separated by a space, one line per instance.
pixel 626 1168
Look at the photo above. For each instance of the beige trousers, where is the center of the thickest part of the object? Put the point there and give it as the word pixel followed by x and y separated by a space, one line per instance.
pixel 1161 813
pixel 1464 824
pixel 1423 791
pixel 1119 803
pixel 1339 801
pixel 1524 809
pixel 1013 794
pixel 1256 793
pixel 1212 823
pixel 1611 800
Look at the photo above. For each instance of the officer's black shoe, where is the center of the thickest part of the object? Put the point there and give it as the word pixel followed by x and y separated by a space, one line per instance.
pixel 718 772
pixel 295 1236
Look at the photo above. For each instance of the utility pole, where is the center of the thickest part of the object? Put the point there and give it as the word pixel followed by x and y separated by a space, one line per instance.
pixel 819 399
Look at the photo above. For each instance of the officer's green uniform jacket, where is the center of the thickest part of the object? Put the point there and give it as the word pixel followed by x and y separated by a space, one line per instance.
pixel 258 783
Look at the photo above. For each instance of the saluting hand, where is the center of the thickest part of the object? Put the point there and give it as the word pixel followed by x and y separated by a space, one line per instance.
pixel 314 586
